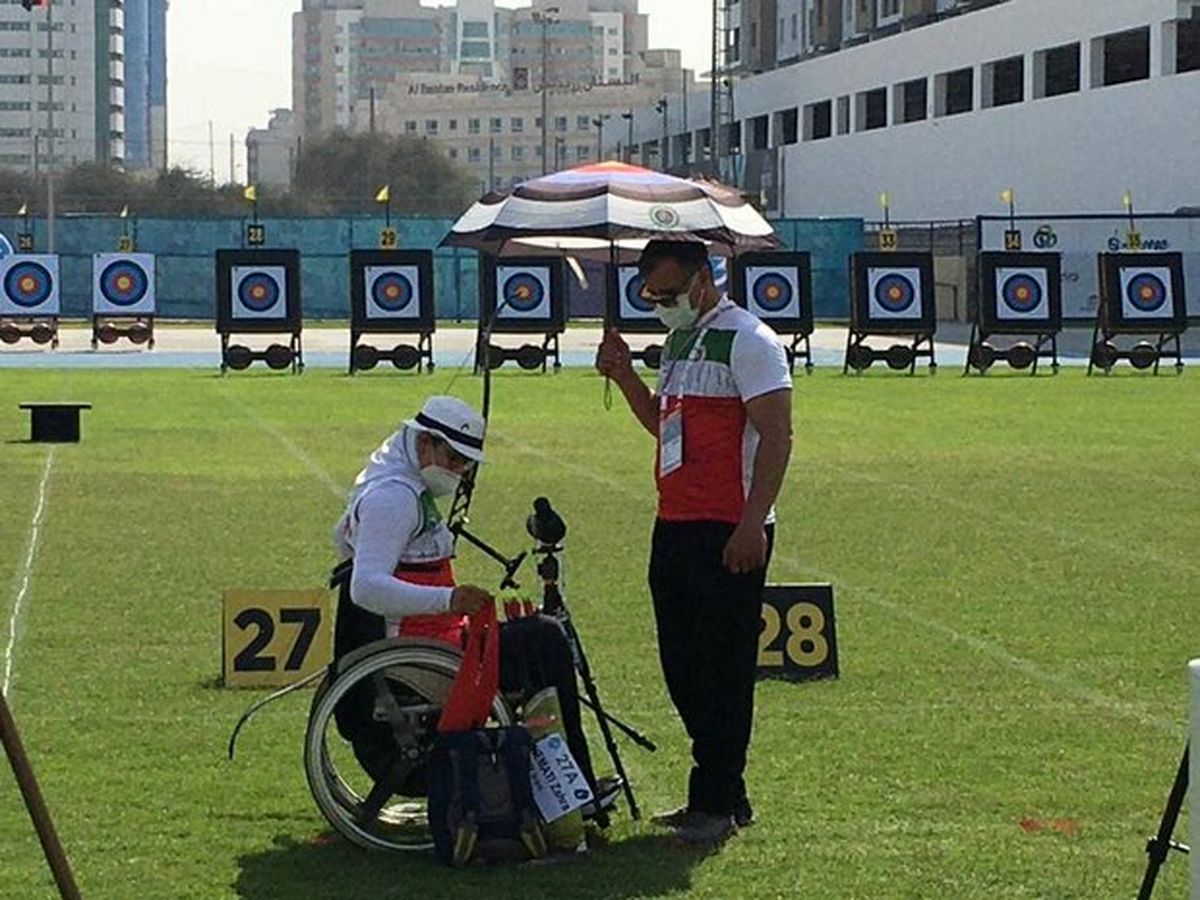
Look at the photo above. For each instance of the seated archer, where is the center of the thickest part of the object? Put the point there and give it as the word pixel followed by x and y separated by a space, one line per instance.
pixel 396 579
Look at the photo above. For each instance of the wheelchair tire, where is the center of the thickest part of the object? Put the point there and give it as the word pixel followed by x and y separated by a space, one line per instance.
pixel 399 826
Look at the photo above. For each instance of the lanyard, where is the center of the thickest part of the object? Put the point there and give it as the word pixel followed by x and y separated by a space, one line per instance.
pixel 691 351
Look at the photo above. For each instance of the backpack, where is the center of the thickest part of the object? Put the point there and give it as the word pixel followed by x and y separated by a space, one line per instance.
pixel 481 803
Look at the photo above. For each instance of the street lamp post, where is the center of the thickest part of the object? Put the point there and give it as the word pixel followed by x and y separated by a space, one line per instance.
pixel 628 117
pixel 545 17
pixel 599 123
pixel 664 106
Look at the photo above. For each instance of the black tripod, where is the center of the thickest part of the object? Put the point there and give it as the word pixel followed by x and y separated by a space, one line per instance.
pixel 547 528
pixel 1162 843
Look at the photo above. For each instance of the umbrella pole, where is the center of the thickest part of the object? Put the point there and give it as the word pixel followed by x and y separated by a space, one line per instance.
pixel 608 283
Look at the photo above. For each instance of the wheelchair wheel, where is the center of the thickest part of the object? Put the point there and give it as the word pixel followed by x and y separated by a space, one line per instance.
pixel 411 680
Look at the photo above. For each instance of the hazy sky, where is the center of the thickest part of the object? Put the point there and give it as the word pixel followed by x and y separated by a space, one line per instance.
pixel 230 62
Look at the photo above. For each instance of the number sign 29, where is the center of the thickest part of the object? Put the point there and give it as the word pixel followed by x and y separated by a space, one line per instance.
pixel 273 638
pixel 798 641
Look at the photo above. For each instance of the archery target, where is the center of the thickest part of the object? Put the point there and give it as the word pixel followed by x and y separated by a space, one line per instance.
pixel 259 292
pixel 1146 292
pixel 1022 293
pixel 894 293
pixel 29 286
pixel 123 284
pixel 630 283
pixel 523 292
pixel 392 292
pixel 773 292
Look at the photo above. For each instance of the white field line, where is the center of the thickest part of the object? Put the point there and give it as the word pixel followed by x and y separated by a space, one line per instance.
pixel 297 452
pixel 35 531
pixel 990 649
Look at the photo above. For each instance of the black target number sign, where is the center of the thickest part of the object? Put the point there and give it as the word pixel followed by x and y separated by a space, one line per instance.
pixel 256 234
pixel 273 638
pixel 798 641
pixel 388 239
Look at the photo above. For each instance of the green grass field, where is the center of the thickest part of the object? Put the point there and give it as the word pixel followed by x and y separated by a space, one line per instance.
pixel 1015 562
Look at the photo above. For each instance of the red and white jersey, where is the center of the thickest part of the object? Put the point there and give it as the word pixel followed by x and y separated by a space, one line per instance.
pixel 709 372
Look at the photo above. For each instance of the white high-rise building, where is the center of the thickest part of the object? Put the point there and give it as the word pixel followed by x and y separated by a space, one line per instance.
pixel 85 52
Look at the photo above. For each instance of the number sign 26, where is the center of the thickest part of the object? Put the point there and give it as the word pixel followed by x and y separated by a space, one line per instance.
pixel 798 641
pixel 273 638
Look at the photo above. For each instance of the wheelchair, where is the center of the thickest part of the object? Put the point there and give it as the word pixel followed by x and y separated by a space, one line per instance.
pixel 377 800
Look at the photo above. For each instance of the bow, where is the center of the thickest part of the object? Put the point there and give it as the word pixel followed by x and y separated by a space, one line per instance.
pixel 460 509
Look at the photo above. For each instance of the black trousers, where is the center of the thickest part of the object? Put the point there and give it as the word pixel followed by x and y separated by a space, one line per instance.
pixel 708 622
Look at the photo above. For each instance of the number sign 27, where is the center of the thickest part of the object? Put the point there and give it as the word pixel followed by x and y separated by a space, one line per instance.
pixel 273 638
pixel 798 640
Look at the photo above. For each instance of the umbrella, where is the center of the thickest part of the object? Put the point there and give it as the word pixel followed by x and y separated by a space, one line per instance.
pixel 606 209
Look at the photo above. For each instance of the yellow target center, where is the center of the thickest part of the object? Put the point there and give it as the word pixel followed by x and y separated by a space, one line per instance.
pixel 523 293
pixel 124 283
pixel 1147 293
pixel 1022 293
pixel 258 292
pixel 773 292
pixel 895 293
pixel 28 284
pixel 392 292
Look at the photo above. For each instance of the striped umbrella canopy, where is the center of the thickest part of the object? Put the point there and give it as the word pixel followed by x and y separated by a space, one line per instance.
pixel 610 208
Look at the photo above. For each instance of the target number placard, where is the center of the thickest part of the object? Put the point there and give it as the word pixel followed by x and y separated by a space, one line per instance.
pixel 1143 291
pixel 798 641
pixel 273 638
pixel 1020 292
pixel 123 284
pixel 29 286
pixel 777 288
pixel 25 242
pixel 893 293
pixel 389 239
pixel 256 234
pixel 524 295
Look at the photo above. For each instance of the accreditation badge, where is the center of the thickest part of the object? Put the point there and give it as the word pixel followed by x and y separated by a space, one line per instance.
pixel 670 441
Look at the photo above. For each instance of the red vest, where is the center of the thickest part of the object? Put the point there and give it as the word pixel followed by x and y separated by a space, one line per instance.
pixel 447 627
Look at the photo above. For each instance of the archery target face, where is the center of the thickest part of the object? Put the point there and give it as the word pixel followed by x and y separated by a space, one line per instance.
pixel 259 292
pixel 773 292
pixel 894 293
pixel 1147 293
pixel 523 292
pixel 123 284
pixel 29 286
pixel 392 292
pixel 1022 293
pixel 633 306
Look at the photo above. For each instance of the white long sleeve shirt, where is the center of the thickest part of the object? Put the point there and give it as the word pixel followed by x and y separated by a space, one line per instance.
pixel 390 521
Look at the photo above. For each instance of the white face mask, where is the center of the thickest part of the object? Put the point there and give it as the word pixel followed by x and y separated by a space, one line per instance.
pixel 439 481
pixel 682 314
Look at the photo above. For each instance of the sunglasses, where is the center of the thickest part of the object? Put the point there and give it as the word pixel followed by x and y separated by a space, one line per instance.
pixel 452 455
pixel 667 298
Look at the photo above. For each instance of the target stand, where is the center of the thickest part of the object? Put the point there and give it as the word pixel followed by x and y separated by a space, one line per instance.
pixel 29 300
pixel 626 311
pixel 391 293
pixel 891 294
pixel 521 296
pixel 777 288
pixel 123 298
pixel 258 293
pixel 1141 294
pixel 1020 294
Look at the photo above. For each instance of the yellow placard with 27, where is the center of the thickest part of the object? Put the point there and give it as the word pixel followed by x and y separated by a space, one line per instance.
pixel 273 638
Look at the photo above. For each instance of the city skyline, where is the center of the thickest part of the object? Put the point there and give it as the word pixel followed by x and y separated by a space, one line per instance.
pixel 234 75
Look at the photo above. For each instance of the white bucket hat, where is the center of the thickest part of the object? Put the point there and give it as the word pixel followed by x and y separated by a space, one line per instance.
pixel 453 421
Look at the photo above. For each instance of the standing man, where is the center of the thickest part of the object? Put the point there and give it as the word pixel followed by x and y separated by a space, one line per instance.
pixel 722 416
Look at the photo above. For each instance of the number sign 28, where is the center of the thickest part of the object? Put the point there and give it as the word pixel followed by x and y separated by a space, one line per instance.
pixel 274 638
pixel 799 636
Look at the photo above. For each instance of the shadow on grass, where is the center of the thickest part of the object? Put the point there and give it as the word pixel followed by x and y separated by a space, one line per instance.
pixel 640 866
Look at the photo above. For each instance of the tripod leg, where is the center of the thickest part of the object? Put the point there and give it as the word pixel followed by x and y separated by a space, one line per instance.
pixel 1160 845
